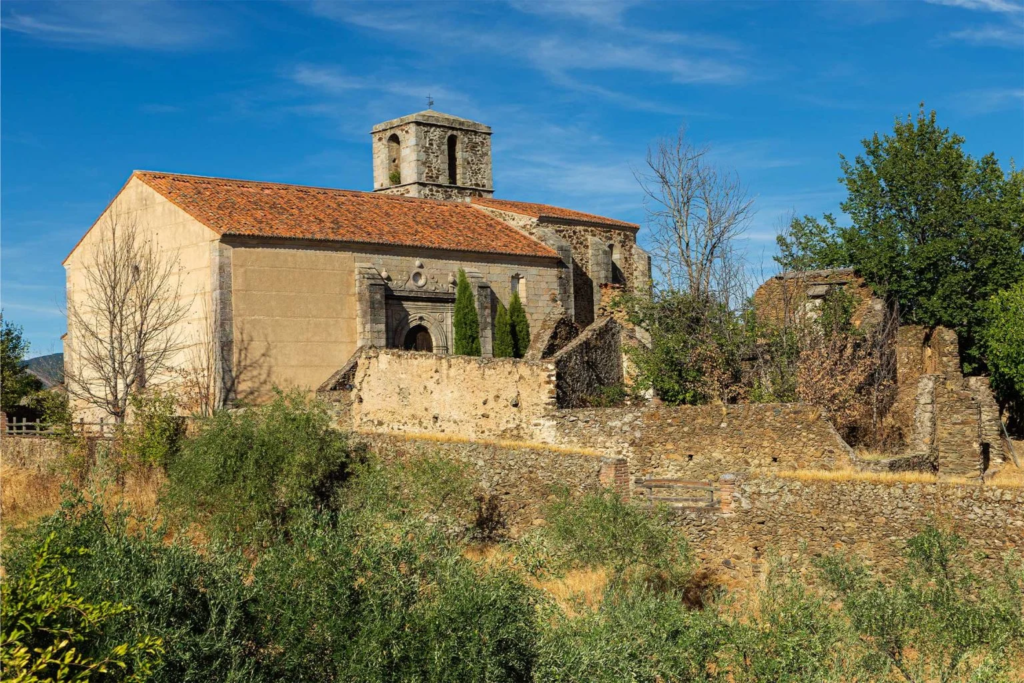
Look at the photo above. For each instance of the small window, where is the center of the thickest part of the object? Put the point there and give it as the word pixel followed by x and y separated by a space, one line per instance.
pixel 518 286
pixel 453 160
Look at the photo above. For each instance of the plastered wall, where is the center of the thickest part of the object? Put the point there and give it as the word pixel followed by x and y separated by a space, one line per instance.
pixel 179 238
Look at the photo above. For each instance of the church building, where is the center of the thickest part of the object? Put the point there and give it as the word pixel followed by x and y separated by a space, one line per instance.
pixel 300 277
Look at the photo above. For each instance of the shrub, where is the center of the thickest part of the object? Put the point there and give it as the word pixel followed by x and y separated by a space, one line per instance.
pixel 154 436
pixel 503 345
pixel 390 593
pixel 520 326
pixel 465 319
pixel 634 635
pixel 52 633
pixel 695 349
pixel 633 542
pixel 196 604
pixel 935 620
pixel 244 471
pixel 792 635
pixel 1003 345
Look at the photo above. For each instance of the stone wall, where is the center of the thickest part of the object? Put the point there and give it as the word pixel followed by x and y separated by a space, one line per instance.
pixel 404 391
pixel 951 421
pixel 704 442
pixel 423 157
pixel 519 477
pixel 800 520
pixel 588 363
pixel 31 451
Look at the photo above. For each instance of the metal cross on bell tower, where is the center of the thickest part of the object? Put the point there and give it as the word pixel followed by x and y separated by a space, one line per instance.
pixel 430 102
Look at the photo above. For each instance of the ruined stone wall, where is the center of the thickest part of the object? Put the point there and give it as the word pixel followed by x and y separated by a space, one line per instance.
pixel 405 391
pixel 704 442
pixel 589 274
pixel 799 520
pixel 588 363
pixel 797 296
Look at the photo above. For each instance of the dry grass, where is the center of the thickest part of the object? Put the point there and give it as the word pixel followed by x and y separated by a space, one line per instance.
pixel 28 493
pixel 575 589
pixel 501 443
pixel 1013 479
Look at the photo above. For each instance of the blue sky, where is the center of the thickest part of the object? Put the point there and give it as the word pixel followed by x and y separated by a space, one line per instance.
pixel 575 91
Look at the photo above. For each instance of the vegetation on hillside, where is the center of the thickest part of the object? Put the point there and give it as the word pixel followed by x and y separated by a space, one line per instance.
pixel 287 554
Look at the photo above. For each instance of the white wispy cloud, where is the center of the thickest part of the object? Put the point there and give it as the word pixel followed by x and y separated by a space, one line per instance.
pixel 982 5
pixel 988 100
pixel 141 24
pixel 1008 31
pixel 566 56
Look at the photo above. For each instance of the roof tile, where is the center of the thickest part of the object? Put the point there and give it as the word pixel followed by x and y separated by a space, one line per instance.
pixel 544 211
pixel 258 209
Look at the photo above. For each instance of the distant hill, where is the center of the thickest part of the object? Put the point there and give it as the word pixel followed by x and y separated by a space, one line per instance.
pixel 49 369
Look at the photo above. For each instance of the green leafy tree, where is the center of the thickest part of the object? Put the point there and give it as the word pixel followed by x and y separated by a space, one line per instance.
pixel 695 350
pixel 1003 344
pixel 503 346
pixel 466 321
pixel 809 244
pixel 931 227
pixel 520 326
pixel 52 633
pixel 15 382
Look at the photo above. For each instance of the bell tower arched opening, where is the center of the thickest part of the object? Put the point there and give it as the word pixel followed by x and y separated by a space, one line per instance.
pixel 453 160
pixel 394 160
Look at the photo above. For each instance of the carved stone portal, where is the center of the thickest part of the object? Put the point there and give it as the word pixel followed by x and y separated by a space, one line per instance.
pixel 427 311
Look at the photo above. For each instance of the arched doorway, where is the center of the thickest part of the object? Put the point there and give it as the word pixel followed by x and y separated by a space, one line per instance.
pixel 418 339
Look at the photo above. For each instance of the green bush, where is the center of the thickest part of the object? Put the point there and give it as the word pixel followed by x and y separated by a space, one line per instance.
pixel 935 620
pixel 634 543
pixel 245 471
pixel 154 435
pixel 52 633
pixel 503 346
pixel 634 635
pixel 197 605
pixel 391 602
pixel 465 319
pixel 520 326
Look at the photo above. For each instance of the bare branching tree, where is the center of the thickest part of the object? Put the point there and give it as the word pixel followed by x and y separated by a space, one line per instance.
pixel 210 379
pixel 123 318
pixel 695 210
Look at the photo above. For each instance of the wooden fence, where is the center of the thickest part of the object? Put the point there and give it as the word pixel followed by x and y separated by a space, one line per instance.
pixel 22 427
pixel 678 493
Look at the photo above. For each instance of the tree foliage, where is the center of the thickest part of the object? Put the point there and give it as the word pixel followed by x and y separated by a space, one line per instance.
pixel 1003 344
pixel 695 349
pixel 465 319
pixel 15 381
pixel 931 227
pixel 503 345
pixel 520 326
pixel 52 633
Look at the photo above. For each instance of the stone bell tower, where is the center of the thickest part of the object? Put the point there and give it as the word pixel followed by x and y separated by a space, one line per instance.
pixel 432 155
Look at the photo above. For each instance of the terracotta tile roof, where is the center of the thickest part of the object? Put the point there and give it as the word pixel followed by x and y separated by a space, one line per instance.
pixel 257 209
pixel 545 211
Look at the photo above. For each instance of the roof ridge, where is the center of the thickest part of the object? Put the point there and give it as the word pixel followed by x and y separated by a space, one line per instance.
pixel 318 188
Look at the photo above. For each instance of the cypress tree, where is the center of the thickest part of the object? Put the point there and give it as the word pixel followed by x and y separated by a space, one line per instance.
pixel 466 321
pixel 520 326
pixel 503 346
